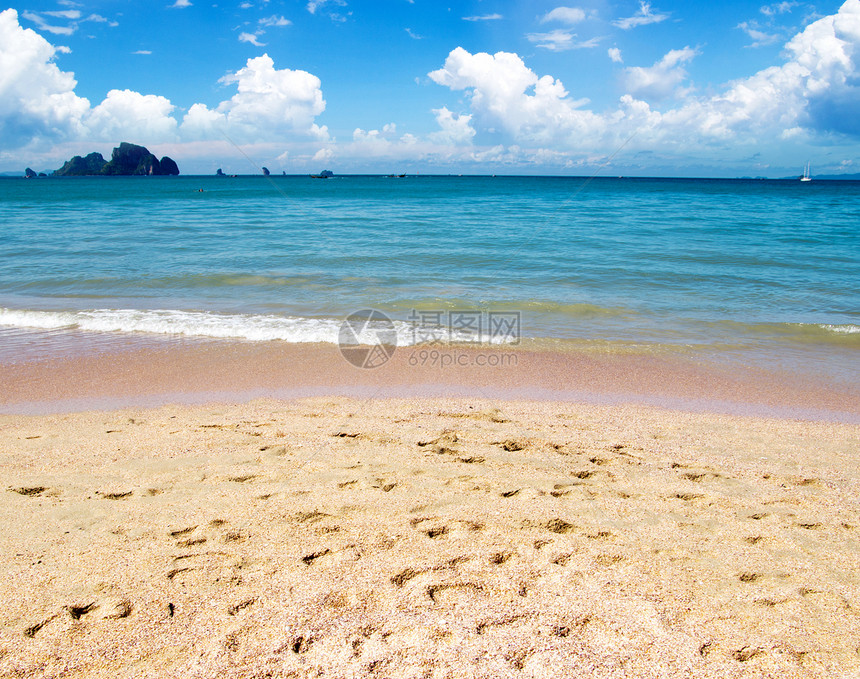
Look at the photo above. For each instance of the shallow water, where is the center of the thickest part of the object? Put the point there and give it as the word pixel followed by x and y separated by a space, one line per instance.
pixel 750 270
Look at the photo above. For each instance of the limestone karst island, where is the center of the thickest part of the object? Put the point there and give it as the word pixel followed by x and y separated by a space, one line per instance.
pixel 126 159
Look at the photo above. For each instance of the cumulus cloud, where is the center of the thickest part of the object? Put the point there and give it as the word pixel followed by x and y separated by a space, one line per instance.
pixel 643 17
pixel 508 95
pixel 37 99
pixel 126 114
pixel 615 55
pixel 268 101
pixel 661 80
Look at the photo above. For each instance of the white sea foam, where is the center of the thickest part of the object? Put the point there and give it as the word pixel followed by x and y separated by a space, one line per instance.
pixel 252 327
pixel 844 329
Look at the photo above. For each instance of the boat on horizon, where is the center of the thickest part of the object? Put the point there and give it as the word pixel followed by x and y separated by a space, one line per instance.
pixel 806 177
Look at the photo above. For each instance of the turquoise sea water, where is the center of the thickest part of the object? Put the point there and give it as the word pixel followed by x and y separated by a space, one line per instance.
pixel 766 272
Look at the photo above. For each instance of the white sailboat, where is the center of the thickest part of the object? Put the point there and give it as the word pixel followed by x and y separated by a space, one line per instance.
pixel 806 177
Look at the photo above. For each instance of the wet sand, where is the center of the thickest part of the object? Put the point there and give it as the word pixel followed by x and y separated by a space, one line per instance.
pixel 170 371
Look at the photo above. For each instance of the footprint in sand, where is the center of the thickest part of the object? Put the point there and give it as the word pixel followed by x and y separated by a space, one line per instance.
pixel 308 559
pixel 120 495
pixel 444 444
pixel 749 577
pixel 512 445
pixel 237 608
pixel 383 485
pixel 499 558
pixel 405 576
pixel 29 490
pixel 452 593
pixel 77 611
pixel 182 531
pixel 34 629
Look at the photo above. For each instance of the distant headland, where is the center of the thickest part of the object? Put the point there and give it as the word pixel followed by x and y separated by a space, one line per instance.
pixel 126 159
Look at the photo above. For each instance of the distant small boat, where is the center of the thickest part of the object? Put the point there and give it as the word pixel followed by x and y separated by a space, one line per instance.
pixel 806 177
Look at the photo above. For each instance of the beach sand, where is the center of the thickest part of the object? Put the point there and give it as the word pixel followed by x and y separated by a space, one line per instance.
pixel 422 537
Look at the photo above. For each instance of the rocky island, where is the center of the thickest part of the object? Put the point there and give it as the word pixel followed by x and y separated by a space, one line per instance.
pixel 126 159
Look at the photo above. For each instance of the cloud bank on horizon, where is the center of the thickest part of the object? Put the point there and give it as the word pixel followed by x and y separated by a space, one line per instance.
pixel 508 117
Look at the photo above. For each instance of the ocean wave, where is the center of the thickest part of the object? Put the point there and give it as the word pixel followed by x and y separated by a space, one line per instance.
pixel 251 327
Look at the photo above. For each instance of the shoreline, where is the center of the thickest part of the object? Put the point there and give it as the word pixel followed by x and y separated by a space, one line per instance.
pixel 151 373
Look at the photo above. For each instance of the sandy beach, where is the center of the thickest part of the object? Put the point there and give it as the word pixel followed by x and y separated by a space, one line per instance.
pixel 456 537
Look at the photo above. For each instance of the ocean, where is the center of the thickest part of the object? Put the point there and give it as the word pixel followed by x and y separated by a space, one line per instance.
pixel 756 272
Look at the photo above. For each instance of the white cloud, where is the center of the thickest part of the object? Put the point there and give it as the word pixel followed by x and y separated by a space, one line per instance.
pixel 615 55
pixel 179 4
pixel 268 102
pixel 142 52
pixel 43 25
pixel 251 38
pixel 323 155
pixel 778 8
pixel 125 114
pixel 484 17
pixel 565 15
pixel 558 40
pixel 507 95
pixel 65 13
pixel 759 37
pixel 561 40
pixel 314 5
pixel 37 99
pixel 275 21
pixel 413 35
pixel 73 16
pixel 643 17
pixel 661 80
pixel 455 129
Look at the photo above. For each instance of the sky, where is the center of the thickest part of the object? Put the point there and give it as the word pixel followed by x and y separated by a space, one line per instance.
pixel 624 87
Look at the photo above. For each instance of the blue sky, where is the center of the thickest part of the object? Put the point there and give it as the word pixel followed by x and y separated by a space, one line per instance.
pixel 663 88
